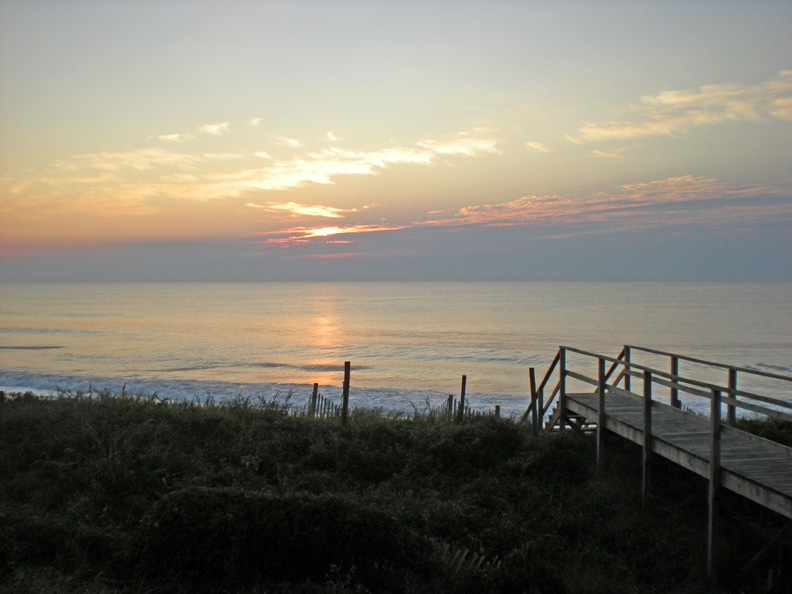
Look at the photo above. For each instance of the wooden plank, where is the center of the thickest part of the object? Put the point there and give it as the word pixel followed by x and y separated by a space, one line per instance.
pixel 761 471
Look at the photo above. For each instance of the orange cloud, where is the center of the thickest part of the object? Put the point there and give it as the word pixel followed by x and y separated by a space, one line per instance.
pixel 316 210
pixel 643 203
pixel 300 235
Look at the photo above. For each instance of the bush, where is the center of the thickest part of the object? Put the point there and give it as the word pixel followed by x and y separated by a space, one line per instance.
pixel 233 538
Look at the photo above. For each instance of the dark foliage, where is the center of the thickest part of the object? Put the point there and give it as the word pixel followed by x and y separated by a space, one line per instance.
pixel 132 495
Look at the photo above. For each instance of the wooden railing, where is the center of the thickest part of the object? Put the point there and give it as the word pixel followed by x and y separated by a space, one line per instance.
pixel 728 393
pixel 717 394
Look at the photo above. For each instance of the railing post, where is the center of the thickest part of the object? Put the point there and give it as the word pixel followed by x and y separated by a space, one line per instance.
pixel 627 368
pixel 714 480
pixel 731 416
pixel 675 402
pixel 462 399
pixel 534 401
pixel 562 387
pixel 345 401
pixel 647 437
pixel 601 413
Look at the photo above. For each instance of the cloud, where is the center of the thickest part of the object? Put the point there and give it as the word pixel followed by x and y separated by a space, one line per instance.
pixel 283 141
pixel 678 201
pixel 466 143
pixel 324 166
pixel 681 200
pixel 301 235
pixel 537 146
pixel 295 209
pixel 214 129
pixel 139 160
pixel 612 154
pixel 174 137
pixel 255 121
pixel 676 112
pixel 332 137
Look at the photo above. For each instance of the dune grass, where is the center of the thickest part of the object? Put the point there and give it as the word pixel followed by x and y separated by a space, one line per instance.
pixel 130 495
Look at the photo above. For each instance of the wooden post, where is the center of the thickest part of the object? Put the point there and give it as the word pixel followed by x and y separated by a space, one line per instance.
pixel 450 408
pixel 714 480
pixel 345 401
pixel 312 406
pixel 562 387
pixel 600 413
pixel 497 410
pixel 675 402
pixel 462 399
pixel 627 368
pixel 647 437
pixel 731 416
pixel 534 402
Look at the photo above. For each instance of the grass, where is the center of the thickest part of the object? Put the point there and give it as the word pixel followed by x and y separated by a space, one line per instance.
pixel 131 495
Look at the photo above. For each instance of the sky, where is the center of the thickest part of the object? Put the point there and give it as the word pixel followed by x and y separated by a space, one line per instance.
pixel 382 140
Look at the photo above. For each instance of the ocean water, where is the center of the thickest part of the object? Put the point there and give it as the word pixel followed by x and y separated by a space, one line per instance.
pixel 408 343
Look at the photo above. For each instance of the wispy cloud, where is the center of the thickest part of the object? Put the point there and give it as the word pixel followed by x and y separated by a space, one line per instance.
pixel 302 235
pixel 214 129
pixel 284 141
pixel 617 154
pixel 537 146
pixel 178 138
pixel 324 166
pixel 685 199
pixel 163 172
pixel 316 210
pixel 138 159
pixel 255 121
pixel 678 111
pixel 469 143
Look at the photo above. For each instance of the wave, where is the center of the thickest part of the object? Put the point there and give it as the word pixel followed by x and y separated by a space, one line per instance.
pixel 389 399
pixel 43 347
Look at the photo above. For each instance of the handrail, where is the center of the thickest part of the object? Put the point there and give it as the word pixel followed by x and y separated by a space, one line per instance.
pixel 733 391
pixel 778 376
pixel 538 394
pixel 681 381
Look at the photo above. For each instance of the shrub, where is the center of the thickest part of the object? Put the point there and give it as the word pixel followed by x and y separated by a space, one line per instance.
pixel 233 538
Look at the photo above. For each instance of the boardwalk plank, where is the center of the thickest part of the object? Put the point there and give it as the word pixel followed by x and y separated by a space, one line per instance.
pixel 759 471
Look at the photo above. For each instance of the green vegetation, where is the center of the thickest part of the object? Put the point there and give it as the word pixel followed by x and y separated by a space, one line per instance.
pixel 111 494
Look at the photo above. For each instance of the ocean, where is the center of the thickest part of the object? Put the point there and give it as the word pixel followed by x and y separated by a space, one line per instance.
pixel 409 344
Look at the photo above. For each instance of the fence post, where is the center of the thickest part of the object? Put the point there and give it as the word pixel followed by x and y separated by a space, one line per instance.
pixel 731 416
pixel 627 368
pixel 450 408
pixel 714 480
pixel 312 406
pixel 462 399
pixel 647 437
pixel 600 412
pixel 497 410
pixel 345 401
pixel 675 402
pixel 562 386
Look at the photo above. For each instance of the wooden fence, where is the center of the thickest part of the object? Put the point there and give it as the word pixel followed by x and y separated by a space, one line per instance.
pixel 452 410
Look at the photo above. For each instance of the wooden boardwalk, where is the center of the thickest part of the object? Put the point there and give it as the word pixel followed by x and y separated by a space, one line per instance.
pixel 756 468
pixel 710 446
